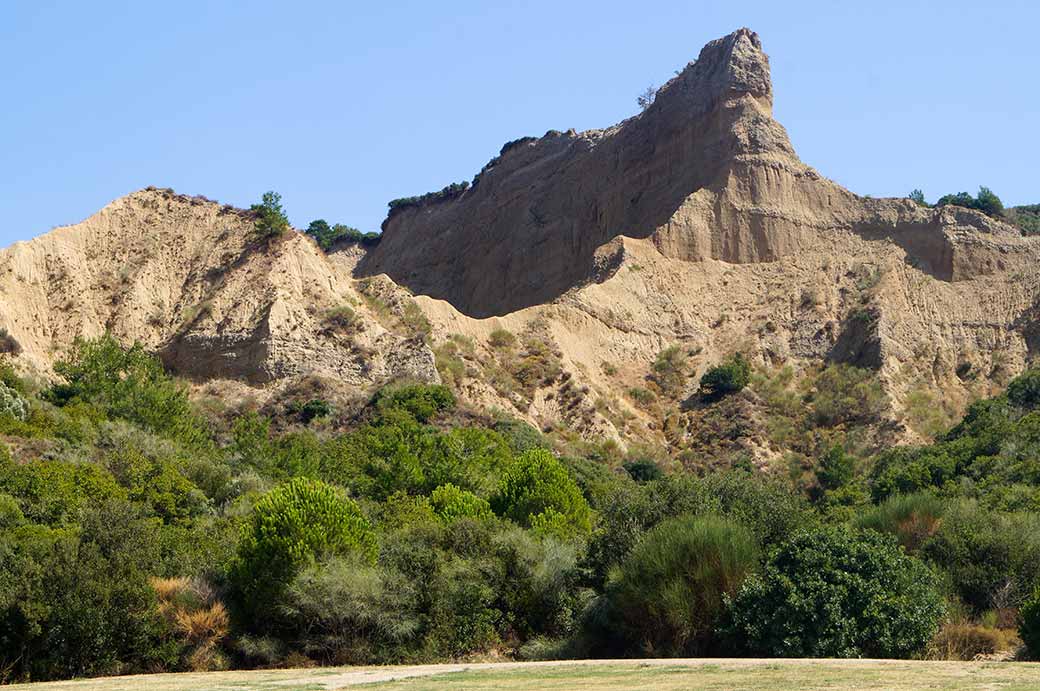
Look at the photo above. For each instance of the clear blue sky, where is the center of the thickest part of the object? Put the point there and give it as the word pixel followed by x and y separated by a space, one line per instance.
pixel 342 106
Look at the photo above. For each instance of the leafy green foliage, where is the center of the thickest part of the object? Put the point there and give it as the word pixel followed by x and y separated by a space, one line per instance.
pixel 643 470
pixel 1025 217
pixel 451 503
pixel 328 236
pixel 271 220
pixel 667 596
pixel 991 455
pixel 836 469
pixel 1029 629
pixel 293 526
pixel 833 593
pixel 535 483
pixel 990 557
pixel 912 518
pixel 724 379
pixel 9 345
pixel 112 485
pixel 127 383
pixel 421 401
pixel 452 191
pixel 987 202
pixel 78 602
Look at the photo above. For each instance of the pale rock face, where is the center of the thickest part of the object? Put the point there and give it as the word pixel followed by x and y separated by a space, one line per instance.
pixel 187 278
pixel 692 223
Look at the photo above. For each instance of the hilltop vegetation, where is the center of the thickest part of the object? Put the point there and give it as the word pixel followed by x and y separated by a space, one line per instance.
pixel 141 530
pixel 1027 217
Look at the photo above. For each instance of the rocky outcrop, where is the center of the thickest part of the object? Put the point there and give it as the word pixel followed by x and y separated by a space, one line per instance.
pixel 704 172
pixel 188 279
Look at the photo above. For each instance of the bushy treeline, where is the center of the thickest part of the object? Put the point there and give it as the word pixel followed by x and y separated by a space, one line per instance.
pixel 1026 217
pixel 139 532
pixel 328 236
pixel 451 191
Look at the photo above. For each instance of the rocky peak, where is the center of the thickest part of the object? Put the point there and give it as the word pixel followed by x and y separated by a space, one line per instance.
pixel 728 67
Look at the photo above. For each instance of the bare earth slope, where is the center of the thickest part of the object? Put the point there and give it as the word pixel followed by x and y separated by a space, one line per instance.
pixel 693 224
pixel 187 278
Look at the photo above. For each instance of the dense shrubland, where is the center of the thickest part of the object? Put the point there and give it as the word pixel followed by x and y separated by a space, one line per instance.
pixel 140 532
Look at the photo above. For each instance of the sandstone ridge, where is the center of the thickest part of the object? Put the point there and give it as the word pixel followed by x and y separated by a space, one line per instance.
pixel 705 172
pixel 692 224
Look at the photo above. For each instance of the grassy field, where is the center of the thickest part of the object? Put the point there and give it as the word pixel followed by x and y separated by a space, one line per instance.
pixel 658 675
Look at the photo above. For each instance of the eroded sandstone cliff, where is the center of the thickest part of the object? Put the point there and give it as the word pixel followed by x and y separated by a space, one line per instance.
pixel 691 225
pixel 704 172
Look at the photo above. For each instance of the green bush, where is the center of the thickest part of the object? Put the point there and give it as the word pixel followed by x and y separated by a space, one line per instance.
pixel 724 379
pixel 502 339
pixel 77 603
pixel 668 595
pixel 537 482
pixel 835 469
pixel 127 383
pixel 311 410
pixel 987 202
pixel 451 503
pixel 343 318
pixel 1029 628
pixel 343 612
pixel 1024 390
pixel 9 344
pixel 55 492
pixel 271 220
pixel 770 511
pixel 291 527
pixel 912 518
pixel 643 470
pixel 421 401
pixel 538 582
pixel 990 557
pixel 1025 217
pixel 833 593
pixel 328 236
pixel 452 191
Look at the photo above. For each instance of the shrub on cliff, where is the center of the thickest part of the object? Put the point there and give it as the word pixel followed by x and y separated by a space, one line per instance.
pixel 987 202
pixel 270 217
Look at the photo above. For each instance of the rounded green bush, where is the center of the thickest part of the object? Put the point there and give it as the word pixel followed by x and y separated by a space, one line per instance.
pixel 669 593
pixel 727 378
pixel 421 401
pixel 535 483
pixel 292 526
pixel 835 593
pixel 451 503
